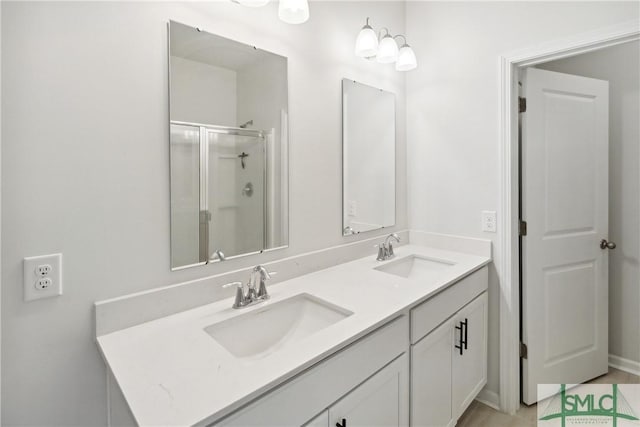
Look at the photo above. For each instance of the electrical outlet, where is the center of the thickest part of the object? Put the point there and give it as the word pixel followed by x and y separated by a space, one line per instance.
pixel 489 221
pixel 42 277
pixel 43 283
pixel 43 270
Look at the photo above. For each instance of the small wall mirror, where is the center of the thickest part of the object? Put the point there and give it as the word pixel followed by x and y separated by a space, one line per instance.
pixel 228 131
pixel 369 153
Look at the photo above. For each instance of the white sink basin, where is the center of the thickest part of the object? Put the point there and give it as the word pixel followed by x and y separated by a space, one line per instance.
pixel 260 332
pixel 415 267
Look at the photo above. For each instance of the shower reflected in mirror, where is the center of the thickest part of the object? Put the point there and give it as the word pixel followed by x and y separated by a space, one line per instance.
pixel 228 139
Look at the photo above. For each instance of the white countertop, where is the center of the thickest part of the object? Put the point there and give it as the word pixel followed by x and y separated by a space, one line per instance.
pixel 172 372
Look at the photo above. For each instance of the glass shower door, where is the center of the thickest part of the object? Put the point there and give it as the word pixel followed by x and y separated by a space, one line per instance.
pixel 185 195
pixel 235 175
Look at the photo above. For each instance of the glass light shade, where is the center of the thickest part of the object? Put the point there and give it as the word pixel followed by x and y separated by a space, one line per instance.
pixel 293 11
pixel 367 43
pixel 253 3
pixel 387 50
pixel 406 59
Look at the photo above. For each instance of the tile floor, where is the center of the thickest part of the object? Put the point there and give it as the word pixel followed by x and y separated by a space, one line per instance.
pixel 481 415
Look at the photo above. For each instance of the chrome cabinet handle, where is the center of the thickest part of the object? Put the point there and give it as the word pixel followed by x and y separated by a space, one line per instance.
pixel 607 245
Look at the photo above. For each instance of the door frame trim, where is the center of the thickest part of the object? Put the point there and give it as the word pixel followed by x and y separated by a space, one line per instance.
pixel 508 269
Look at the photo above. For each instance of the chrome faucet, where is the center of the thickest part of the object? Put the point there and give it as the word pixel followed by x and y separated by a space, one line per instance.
pixel 385 249
pixel 256 288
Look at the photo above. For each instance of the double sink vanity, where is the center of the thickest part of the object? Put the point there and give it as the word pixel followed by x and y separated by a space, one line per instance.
pixel 389 343
pixel 343 339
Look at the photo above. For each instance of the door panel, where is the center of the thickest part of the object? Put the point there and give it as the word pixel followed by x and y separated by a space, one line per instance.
pixel 321 420
pixel 565 204
pixel 431 359
pixel 469 367
pixel 381 401
pixel 564 334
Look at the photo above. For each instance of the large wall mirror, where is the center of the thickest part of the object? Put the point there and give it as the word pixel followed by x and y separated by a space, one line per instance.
pixel 369 153
pixel 228 131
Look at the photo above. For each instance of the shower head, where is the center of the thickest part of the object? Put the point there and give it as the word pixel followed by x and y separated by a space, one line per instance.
pixel 244 125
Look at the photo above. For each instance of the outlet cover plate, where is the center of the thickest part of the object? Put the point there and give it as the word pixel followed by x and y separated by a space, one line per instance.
pixel 489 221
pixel 31 276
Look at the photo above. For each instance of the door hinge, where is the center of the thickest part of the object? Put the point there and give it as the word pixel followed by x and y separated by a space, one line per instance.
pixel 522 228
pixel 523 350
pixel 522 104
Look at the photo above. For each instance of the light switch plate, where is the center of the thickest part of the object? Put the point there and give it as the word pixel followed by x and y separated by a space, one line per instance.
pixel 42 276
pixel 489 221
pixel 353 208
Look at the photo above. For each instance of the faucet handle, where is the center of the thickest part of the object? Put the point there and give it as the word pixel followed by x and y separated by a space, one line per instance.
pixel 382 252
pixel 228 285
pixel 239 301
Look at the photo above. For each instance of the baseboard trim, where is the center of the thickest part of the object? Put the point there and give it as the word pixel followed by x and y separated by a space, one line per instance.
pixel 489 398
pixel 627 365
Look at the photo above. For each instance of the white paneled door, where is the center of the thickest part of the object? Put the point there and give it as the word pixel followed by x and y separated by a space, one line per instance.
pixel 565 205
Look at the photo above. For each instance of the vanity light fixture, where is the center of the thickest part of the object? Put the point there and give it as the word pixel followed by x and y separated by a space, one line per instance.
pixel 293 11
pixel 406 57
pixel 384 48
pixel 367 42
pixel 387 49
pixel 289 11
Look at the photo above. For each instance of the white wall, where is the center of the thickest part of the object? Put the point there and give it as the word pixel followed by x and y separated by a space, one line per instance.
pixel 203 93
pixel 85 167
pixel 453 108
pixel 620 66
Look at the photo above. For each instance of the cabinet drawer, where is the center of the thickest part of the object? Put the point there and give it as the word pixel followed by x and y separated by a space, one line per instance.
pixel 298 400
pixel 428 315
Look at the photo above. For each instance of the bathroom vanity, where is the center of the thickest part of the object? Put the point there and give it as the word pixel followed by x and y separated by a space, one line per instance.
pixel 400 342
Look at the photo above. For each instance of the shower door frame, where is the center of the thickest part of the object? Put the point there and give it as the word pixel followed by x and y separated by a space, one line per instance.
pixel 204 183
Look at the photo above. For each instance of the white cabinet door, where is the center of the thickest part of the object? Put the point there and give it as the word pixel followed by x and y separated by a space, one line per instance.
pixel 431 359
pixel 469 354
pixel 382 400
pixel 321 420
